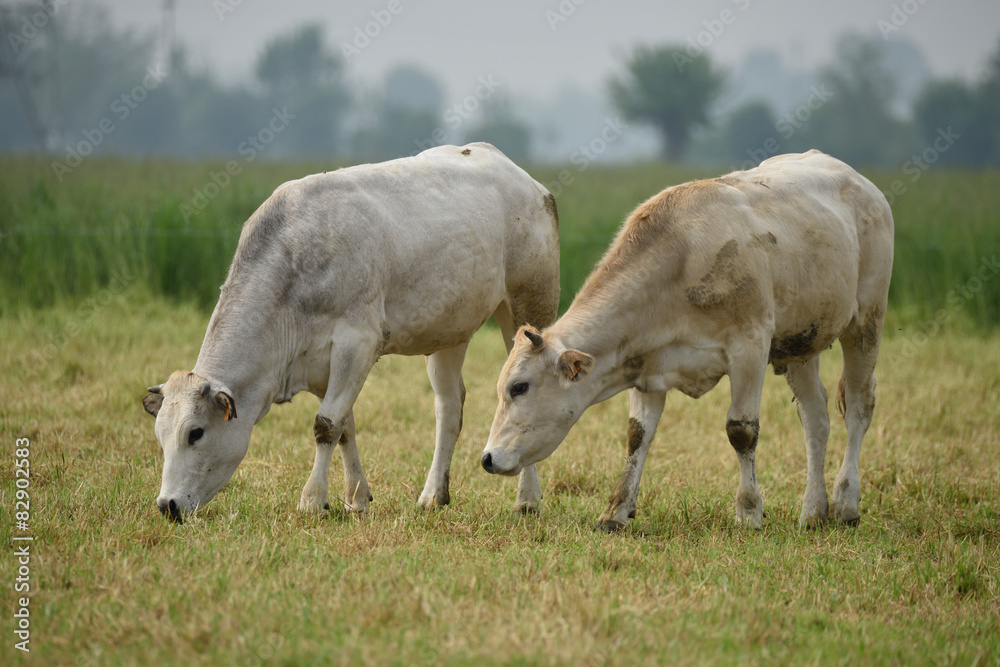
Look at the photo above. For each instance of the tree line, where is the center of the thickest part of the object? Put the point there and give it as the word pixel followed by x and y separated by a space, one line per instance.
pixel 70 88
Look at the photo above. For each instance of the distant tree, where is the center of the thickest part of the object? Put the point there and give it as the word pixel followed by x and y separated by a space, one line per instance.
pixel 501 127
pixel 404 118
pixel 852 119
pixel 410 88
pixel 972 112
pixel 299 73
pixel 750 132
pixel 298 60
pixel 666 88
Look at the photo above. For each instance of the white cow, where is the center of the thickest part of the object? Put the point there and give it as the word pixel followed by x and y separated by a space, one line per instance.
pixel 334 270
pixel 712 278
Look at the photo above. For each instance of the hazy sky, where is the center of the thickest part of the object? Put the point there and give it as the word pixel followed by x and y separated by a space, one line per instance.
pixel 522 44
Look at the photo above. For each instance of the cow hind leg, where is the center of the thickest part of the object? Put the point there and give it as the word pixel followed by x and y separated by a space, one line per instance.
pixel 810 396
pixel 444 368
pixel 860 344
pixel 746 376
pixel 644 416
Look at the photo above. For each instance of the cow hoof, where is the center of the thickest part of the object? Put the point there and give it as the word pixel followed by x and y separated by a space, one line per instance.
pixel 811 521
pixel 749 519
pixel 313 505
pixel 611 526
pixel 848 517
pixel 434 501
pixel 525 508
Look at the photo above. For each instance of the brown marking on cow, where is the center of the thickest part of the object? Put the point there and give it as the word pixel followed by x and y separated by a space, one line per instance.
pixel 633 368
pixel 636 434
pixel 466 151
pixel 794 346
pixel 762 240
pixel 746 501
pixel 550 206
pixel 723 283
pixel 443 496
pixel 743 434
pixel 323 430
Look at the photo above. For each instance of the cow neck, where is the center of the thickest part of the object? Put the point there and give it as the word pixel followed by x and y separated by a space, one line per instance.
pixel 246 350
pixel 601 327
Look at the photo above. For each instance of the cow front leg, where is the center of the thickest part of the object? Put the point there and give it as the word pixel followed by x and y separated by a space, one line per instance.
pixel 746 375
pixel 444 368
pixel 529 490
pixel 350 363
pixel 644 416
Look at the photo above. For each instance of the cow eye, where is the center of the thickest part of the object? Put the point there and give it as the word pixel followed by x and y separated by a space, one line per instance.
pixel 195 435
pixel 518 388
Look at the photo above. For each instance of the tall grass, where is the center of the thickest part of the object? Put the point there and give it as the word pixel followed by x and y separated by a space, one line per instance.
pixel 112 221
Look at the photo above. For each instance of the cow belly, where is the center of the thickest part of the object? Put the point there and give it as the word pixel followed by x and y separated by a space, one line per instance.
pixel 440 321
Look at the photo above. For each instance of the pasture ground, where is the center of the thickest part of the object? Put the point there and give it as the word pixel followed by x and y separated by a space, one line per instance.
pixel 251 581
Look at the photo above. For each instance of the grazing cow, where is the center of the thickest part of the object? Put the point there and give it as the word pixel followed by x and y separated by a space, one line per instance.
pixel 333 271
pixel 712 278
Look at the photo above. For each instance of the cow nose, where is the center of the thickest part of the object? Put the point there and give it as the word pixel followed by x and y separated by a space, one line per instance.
pixel 169 508
pixel 487 462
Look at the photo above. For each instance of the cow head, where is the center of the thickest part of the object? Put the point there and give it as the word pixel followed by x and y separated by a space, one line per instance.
pixel 203 443
pixel 543 390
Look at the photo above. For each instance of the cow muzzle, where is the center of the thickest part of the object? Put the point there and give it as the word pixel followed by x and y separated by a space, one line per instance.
pixel 170 509
pixel 495 465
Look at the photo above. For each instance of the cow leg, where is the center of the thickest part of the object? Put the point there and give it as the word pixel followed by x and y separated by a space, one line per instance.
pixel 860 345
pixel 529 487
pixel 444 368
pixel 644 415
pixel 350 363
pixel 746 378
pixel 810 395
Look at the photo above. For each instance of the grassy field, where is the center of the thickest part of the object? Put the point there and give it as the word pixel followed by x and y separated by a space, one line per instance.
pixel 252 581
pixel 104 289
pixel 169 226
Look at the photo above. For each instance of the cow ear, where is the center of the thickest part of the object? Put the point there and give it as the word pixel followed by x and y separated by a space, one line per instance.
pixel 226 403
pixel 574 364
pixel 153 400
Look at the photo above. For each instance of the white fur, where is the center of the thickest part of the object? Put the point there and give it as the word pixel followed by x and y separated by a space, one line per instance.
pixel 709 278
pixel 336 269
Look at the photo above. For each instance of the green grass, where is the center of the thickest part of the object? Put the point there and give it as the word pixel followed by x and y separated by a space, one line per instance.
pixel 115 222
pixel 252 581
pixel 105 288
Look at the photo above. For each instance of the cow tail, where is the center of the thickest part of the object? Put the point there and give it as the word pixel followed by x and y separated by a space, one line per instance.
pixel 841 401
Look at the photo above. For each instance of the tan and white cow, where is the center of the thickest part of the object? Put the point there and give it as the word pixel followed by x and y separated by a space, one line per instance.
pixel 334 270
pixel 711 278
